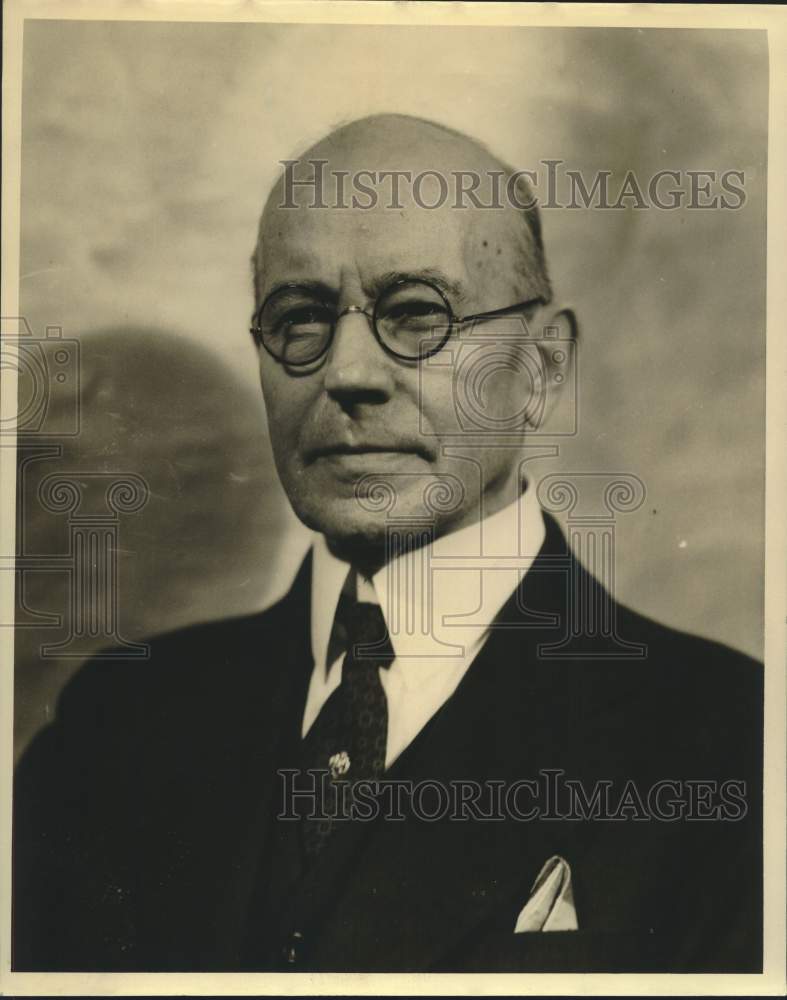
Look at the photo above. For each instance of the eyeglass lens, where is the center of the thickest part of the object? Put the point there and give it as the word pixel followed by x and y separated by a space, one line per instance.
pixel 410 318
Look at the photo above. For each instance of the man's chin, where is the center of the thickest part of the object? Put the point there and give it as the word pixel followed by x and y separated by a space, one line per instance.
pixel 358 538
pixel 342 518
pixel 363 521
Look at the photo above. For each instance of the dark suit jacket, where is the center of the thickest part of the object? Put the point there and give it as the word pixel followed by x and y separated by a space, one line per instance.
pixel 144 838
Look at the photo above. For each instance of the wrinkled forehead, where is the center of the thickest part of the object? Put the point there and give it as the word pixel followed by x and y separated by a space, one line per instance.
pixel 339 215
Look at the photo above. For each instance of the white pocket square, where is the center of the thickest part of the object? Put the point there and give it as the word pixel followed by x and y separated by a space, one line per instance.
pixel 551 903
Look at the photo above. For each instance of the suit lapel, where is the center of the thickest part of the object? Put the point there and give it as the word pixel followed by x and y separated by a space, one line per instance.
pixel 511 715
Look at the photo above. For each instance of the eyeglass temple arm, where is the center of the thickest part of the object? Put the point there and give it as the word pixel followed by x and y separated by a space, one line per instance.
pixel 500 312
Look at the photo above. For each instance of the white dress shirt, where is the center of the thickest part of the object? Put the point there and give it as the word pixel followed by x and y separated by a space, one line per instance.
pixel 438 602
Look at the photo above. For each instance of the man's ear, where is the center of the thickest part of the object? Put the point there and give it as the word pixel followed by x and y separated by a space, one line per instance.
pixel 556 332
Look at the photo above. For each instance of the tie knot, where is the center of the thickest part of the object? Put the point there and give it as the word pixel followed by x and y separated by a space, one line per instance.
pixel 367 633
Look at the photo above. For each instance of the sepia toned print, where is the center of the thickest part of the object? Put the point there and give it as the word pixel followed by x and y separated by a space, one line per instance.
pixel 390 484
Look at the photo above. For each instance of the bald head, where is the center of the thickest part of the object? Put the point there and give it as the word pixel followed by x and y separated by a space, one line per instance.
pixel 401 164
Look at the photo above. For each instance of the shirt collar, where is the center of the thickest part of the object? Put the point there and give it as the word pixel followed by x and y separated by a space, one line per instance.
pixel 403 593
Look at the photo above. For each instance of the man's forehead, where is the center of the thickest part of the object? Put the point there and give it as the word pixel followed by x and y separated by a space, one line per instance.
pixel 323 244
pixel 472 246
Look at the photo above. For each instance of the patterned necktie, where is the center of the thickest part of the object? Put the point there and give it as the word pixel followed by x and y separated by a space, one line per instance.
pixel 348 738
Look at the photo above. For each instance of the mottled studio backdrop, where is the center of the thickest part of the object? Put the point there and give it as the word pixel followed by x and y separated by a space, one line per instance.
pixel 147 152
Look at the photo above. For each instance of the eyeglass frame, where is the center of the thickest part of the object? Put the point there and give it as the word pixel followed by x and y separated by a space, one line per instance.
pixel 453 320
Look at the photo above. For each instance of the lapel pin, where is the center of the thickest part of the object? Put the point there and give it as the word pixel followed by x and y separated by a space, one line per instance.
pixel 339 764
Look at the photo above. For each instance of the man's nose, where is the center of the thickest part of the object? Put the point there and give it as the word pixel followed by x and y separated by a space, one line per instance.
pixel 357 369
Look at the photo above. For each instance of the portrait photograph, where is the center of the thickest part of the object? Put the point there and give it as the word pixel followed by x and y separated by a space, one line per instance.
pixel 393 498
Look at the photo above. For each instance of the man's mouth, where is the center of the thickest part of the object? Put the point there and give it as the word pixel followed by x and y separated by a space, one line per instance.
pixel 381 449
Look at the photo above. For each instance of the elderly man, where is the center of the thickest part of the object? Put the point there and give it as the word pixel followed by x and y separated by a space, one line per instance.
pixel 420 759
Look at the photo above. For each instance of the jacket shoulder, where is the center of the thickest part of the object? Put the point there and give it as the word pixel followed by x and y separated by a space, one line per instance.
pixel 696 698
pixel 694 659
pixel 183 657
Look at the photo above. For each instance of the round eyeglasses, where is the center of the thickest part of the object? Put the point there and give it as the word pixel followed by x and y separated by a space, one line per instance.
pixel 412 319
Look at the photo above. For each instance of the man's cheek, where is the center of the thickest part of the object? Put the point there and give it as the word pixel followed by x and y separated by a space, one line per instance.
pixel 286 414
pixel 438 406
pixel 283 432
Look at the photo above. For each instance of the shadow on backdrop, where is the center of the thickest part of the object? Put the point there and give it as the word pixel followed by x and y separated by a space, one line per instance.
pixel 164 509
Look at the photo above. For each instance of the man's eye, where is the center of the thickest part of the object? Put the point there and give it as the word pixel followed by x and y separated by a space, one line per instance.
pixel 305 316
pixel 414 310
